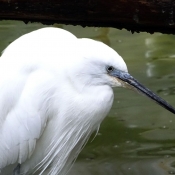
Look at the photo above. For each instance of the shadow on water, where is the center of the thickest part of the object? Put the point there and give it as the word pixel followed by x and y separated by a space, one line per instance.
pixel 138 136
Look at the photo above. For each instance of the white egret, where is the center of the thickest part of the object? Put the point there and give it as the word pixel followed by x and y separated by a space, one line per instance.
pixel 55 90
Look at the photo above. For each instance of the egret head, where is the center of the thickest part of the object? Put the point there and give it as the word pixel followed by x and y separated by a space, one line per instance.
pixel 94 61
pixel 101 65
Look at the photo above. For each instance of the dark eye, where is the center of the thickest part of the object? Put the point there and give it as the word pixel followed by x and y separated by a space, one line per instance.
pixel 110 69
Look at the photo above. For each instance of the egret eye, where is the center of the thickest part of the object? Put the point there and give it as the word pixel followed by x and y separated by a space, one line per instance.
pixel 110 69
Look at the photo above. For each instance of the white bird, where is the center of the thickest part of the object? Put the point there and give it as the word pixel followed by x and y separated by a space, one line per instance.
pixel 55 90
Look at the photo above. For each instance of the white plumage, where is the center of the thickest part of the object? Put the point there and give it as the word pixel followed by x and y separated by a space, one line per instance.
pixel 45 110
pixel 55 90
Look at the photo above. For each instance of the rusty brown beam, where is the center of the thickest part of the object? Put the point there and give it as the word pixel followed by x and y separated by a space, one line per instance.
pixel 134 15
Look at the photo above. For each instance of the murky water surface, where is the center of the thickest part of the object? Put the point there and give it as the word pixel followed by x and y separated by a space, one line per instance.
pixel 138 136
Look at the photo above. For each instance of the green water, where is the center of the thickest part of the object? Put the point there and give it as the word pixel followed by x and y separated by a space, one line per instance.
pixel 138 136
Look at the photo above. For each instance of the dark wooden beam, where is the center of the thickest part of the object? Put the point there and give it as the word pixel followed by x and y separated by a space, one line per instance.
pixel 134 15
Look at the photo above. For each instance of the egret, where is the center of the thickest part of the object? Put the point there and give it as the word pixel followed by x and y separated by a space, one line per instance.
pixel 55 90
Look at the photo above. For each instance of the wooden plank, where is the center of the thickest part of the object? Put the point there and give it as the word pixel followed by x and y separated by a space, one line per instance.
pixel 134 15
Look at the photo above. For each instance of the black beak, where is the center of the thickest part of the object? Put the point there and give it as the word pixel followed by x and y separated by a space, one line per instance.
pixel 127 78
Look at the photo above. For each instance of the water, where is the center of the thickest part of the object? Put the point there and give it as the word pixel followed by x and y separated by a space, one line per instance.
pixel 138 136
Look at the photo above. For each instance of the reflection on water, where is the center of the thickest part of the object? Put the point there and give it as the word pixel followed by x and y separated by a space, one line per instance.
pixel 160 54
pixel 138 136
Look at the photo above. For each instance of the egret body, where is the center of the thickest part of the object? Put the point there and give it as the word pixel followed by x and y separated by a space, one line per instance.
pixel 55 90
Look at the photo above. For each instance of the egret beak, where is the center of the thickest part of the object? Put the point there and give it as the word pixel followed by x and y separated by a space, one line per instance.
pixel 128 80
